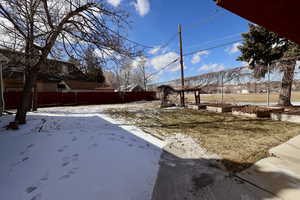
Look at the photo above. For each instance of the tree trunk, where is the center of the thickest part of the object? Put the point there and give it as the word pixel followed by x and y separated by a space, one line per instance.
pixel 286 86
pixel 145 84
pixel 35 98
pixel 26 99
pixel 1 92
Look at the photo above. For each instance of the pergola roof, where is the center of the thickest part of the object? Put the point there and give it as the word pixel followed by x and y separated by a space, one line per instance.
pixel 280 16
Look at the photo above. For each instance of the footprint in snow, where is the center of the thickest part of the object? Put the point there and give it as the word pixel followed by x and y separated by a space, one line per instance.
pixel 62 149
pixel 74 139
pixel 13 165
pixel 31 189
pixel 64 177
pixel 65 164
pixel 69 174
pixel 134 140
pixel 27 149
pixel 37 197
pixel 75 157
pixel 69 159
pixel 44 178
pixel 72 172
pixel 95 145
pixel 24 159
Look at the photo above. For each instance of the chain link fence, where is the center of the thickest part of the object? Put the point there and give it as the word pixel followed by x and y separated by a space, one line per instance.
pixel 237 86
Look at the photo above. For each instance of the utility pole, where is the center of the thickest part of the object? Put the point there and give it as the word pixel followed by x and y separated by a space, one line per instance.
pixel 182 101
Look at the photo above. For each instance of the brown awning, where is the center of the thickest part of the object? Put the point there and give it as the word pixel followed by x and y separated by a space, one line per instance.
pixel 280 16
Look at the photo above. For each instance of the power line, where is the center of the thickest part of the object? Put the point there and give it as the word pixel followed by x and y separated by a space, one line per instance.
pixel 215 47
pixel 169 41
pixel 164 67
pixel 211 41
pixel 146 46
pixel 207 19
pixel 129 40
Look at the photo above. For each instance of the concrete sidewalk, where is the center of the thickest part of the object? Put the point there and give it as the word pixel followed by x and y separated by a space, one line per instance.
pixel 279 174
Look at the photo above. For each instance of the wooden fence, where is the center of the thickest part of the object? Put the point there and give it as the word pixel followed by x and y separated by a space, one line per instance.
pixel 12 99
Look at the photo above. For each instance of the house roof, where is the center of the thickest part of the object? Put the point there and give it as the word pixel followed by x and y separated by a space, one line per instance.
pixel 51 71
pixel 280 16
pixel 84 85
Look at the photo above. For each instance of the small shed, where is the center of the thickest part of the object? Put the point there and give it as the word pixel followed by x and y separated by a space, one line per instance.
pixel 165 91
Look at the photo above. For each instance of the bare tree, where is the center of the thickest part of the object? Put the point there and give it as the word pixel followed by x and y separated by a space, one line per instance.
pixel 43 28
pixel 142 75
pixel 125 74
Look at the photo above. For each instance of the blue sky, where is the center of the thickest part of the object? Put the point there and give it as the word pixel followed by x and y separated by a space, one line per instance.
pixel 204 25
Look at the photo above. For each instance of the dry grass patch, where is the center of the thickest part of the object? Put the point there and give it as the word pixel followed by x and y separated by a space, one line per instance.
pixel 238 139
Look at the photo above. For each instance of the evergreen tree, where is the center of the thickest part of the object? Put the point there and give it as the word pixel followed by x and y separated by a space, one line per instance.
pixel 93 66
pixel 261 48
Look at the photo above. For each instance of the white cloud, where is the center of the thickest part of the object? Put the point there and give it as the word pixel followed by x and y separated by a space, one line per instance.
pixel 106 54
pixel 155 78
pixel 244 63
pixel 135 63
pixel 154 50
pixel 142 7
pixel 175 68
pixel 161 61
pixel 212 67
pixel 197 57
pixel 234 48
pixel 114 3
pixel 165 50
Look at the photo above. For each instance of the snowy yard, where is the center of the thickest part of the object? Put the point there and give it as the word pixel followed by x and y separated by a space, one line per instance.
pixel 72 153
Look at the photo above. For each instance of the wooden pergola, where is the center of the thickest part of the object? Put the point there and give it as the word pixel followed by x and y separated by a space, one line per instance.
pixel 196 90
pixel 166 90
pixel 280 16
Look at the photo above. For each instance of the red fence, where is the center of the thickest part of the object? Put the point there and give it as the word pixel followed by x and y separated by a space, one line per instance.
pixel 12 99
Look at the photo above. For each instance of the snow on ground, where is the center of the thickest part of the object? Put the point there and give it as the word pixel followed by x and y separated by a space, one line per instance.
pixel 71 153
